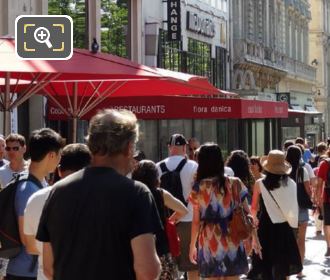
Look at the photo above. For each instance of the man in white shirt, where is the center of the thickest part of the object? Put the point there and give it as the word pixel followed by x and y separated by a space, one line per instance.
pixel 177 154
pixel 14 145
pixel 15 148
pixel 73 158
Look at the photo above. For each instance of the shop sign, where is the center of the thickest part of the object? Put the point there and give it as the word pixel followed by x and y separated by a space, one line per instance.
pixel 201 25
pixel 284 97
pixel 169 107
pixel 174 20
pixel 256 109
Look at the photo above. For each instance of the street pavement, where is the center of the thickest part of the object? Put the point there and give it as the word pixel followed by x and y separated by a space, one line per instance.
pixel 316 266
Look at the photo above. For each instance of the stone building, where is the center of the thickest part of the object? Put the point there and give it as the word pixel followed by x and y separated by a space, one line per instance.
pixel 319 50
pixel 270 58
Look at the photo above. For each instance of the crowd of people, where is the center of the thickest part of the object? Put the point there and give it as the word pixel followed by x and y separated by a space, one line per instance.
pixel 100 210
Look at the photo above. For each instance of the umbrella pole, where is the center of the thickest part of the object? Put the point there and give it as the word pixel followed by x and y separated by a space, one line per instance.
pixel 74 129
pixel 6 101
pixel 75 118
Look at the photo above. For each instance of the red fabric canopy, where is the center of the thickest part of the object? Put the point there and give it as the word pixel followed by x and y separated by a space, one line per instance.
pixel 88 79
pixel 87 66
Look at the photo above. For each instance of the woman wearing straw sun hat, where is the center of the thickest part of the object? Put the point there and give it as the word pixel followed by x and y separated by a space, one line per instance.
pixel 276 198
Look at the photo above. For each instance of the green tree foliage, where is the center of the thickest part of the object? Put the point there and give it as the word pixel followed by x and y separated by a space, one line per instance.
pixel 114 27
pixel 76 9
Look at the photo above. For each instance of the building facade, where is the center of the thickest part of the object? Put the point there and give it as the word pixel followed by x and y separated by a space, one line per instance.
pixel 197 44
pixel 319 47
pixel 270 57
pixel 191 36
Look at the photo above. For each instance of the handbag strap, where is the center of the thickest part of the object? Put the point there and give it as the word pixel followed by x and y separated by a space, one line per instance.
pixel 275 201
pixel 236 190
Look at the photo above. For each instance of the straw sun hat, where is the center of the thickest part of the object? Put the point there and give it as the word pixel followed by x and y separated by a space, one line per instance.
pixel 275 163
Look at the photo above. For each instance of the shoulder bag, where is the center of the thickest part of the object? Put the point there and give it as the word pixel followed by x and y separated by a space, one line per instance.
pixel 241 224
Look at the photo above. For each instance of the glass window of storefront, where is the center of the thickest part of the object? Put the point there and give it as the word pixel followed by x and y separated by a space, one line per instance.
pixel 219 75
pixel 170 54
pixel 205 130
pixel 76 9
pixel 222 136
pixel 154 134
pixel 148 138
pixel 199 60
pixel 258 137
pixel 115 27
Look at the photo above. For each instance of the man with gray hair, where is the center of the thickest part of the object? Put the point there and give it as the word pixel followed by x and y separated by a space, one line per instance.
pixel 97 223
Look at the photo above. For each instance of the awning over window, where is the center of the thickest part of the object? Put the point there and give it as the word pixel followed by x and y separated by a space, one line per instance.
pixel 311 109
pixel 178 107
pixel 296 107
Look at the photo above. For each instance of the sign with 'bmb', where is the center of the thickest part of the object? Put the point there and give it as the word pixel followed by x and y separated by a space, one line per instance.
pixel 174 20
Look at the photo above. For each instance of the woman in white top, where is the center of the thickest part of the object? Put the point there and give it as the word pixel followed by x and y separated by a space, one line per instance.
pixel 300 175
pixel 277 215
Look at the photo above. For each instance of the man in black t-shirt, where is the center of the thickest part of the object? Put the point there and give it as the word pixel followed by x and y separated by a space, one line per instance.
pixel 97 223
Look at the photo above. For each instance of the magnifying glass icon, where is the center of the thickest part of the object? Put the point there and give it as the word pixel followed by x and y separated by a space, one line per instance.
pixel 41 35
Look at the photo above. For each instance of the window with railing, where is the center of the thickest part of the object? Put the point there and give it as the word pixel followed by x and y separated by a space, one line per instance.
pixel 220 69
pixel 199 58
pixel 170 53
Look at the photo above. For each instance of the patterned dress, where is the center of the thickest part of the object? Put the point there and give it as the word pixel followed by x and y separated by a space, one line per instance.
pixel 219 253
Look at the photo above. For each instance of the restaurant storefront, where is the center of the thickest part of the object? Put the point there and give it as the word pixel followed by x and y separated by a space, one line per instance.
pixel 232 123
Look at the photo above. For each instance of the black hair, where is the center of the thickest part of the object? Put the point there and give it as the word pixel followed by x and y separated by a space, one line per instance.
pixel 139 155
pixel 300 140
pixel 210 163
pixel 42 142
pixel 287 144
pixel 239 162
pixel 256 160
pixel 75 157
pixel 293 156
pixel 146 172
pixel 273 181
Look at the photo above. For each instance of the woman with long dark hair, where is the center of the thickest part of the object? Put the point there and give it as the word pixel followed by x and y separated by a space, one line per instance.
pixel 299 174
pixel 239 162
pixel 277 215
pixel 146 172
pixel 219 254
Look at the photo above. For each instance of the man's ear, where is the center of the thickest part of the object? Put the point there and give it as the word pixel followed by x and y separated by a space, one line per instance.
pixel 129 149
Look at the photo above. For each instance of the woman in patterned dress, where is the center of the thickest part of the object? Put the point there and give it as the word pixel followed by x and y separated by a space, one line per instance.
pixel 220 255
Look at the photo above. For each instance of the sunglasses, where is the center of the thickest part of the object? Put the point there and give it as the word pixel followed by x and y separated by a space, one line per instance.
pixel 15 148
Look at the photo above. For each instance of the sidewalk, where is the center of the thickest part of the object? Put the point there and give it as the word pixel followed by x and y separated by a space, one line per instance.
pixel 316 266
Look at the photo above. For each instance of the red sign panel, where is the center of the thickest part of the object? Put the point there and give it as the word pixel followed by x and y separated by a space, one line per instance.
pixel 169 107
pixel 255 109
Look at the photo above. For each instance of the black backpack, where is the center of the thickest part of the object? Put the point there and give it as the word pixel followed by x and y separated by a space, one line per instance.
pixel 10 242
pixel 171 181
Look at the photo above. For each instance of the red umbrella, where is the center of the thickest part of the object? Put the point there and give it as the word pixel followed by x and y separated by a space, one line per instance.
pixel 88 79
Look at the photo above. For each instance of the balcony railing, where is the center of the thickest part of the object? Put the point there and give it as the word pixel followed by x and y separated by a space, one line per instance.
pixel 256 53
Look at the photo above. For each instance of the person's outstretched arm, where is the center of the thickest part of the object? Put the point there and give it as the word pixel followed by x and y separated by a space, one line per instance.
pixel 146 262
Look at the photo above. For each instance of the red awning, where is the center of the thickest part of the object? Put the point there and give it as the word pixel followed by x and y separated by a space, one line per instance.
pixel 169 107
pixel 86 66
pixel 87 80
